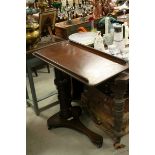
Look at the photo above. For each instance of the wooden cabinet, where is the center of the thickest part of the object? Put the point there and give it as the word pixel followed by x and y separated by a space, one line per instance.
pixel 63 30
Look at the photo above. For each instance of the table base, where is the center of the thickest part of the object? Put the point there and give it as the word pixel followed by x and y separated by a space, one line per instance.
pixel 73 122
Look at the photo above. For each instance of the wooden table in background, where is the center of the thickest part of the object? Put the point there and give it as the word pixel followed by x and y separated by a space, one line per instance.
pixel 64 30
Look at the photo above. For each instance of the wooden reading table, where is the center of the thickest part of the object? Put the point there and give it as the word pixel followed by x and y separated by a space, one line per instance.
pixel 88 66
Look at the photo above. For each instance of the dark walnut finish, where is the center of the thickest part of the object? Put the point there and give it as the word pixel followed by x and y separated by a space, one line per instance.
pixel 87 66
pixel 83 63
pixel 108 105
pixel 68 115
pixel 119 89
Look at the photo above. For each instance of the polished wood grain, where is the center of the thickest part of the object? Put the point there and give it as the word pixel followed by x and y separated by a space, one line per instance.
pixel 85 64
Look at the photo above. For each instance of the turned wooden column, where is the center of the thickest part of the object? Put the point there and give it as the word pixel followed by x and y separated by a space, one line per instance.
pixel 68 116
pixel 63 84
pixel 119 89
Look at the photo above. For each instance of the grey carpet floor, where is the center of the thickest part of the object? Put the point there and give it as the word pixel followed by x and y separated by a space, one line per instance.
pixel 61 141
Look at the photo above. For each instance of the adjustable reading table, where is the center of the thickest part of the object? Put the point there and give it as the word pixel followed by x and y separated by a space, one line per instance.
pixel 89 66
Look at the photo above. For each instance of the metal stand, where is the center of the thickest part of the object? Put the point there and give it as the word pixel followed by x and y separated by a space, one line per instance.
pixel 30 63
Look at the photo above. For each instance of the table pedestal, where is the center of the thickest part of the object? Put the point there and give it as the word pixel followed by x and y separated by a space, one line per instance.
pixel 68 115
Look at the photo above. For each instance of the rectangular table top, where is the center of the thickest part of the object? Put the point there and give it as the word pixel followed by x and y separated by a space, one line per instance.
pixel 81 62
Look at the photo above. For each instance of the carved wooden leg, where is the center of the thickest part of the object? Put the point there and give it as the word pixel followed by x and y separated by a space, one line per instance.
pixel 119 89
pixel 68 115
pixel 63 84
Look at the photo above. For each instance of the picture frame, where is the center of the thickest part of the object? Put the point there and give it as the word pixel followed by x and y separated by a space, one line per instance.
pixel 47 22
